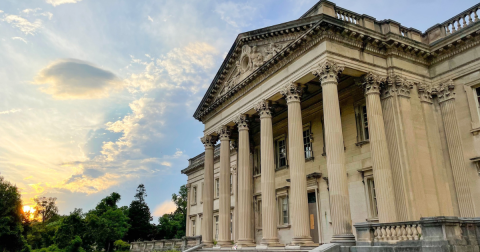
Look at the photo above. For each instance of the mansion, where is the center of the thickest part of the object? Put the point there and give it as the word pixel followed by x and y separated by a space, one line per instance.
pixel 321 126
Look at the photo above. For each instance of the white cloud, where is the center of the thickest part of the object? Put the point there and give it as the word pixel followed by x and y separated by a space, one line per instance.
pixel 76 79
pixel 165 208
pixel 47 14
pixel 28 11
pixel 19 38
pixel 59 2
pixel 23 24
pixel 150 19
pixel 11 111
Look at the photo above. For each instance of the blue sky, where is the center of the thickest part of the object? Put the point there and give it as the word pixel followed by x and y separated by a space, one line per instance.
pixel 98 96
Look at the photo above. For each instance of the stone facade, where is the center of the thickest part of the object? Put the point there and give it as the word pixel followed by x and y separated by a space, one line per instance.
pixel 333 120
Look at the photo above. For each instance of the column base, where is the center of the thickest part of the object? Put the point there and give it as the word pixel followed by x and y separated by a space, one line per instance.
pixel 303 242
pixel 344 239
pixel 224 244
pixel 245 243
pixel 207 244
pixel 271 243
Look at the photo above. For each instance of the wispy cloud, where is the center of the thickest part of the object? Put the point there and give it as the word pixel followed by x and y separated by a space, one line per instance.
pixel 11 111
pixel 76 79
pixel 27 27
pixel 150 19
pixel 59 2
pixel 241 17
pixel 165 208
pixel 19 38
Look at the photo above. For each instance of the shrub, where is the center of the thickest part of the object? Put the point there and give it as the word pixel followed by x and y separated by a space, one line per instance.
pixel 121 245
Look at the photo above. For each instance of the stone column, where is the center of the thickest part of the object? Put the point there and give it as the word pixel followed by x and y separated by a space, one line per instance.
pixel 379 150
pixel 337 175
pixel 298 186
pixel 446 98
pixel 207 223
pixel 224 237
pixel 245 184
pixel 267 163
pixel 435 149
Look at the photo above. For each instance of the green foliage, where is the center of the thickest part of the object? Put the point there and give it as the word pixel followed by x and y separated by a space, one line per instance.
pixel 107 223
pixel 173 225
pixel 46 208
pixel 42 234
pixel 121 245
pixel 140 217
pixel 71 227
pixel 11 238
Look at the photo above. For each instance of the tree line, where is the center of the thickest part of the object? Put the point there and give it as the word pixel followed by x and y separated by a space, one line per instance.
pixel 107 227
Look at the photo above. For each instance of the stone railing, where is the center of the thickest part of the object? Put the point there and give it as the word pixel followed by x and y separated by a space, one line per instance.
pixel 164 245
pixel 428 234
pixel 461 20
pixel 349 16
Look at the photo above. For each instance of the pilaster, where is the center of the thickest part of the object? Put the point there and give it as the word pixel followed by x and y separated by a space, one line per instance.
pixel 328 73
pixel 446 99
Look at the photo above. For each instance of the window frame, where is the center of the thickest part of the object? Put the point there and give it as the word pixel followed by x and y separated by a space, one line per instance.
pixel 307 127
pixel 194 195
pixel 281 212
pixel 257 161
pixel 193 221
pixel 217 187
pixel 473 104
pixel 276 141
pixel 370 194
pixel 361 120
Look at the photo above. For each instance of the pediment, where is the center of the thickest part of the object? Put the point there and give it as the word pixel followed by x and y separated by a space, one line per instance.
pixel 251 58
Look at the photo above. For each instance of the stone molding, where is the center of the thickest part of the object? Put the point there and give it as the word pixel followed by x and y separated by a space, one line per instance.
pixel 328 72
pixel 371 83
pixel 292 92
pixel 424 92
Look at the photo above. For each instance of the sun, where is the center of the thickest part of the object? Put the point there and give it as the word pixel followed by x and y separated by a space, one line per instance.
pixel 30 209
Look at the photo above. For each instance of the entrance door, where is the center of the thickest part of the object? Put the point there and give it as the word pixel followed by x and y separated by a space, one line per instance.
pixel 312 213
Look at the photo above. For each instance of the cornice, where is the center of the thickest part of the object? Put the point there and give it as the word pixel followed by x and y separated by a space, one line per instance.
pixel 332 29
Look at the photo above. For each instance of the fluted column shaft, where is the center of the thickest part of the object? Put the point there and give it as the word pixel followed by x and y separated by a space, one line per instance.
pixel 267 164
pixel 224 236
pixel 434 146
pixel 207 223
pixel 189 203
pixel 379 151
pixel 245 184
pixel 334 148
pixel 298 185
pixel 455 149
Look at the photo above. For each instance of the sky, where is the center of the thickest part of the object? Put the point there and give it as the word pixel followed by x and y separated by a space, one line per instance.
pixel 97 96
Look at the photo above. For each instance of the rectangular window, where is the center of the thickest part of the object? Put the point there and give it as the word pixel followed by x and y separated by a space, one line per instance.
pixel 257 169
pixel 283 207
pixel 231 223
pixel 307 142
pixel 362 123
pixel 194 195
pixel 216 227
pixel 259 210
pixel 372 197
pixel 193 227
pixel 217 187
pixel 281 152
pixel 231 183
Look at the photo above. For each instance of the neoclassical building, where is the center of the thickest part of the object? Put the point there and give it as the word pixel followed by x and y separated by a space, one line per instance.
pixel 333 119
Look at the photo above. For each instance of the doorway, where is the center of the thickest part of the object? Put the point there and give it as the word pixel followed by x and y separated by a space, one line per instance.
pixel 312 214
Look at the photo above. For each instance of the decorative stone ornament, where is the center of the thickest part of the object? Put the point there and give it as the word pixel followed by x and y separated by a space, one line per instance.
pixel 292 92
pixel 403 85
pixel 224 133
pixel 328 72
pixel 241 121
pixel 209 140
pixel 371 83
pixel 444 91
pixel 424 92
pixel 263 108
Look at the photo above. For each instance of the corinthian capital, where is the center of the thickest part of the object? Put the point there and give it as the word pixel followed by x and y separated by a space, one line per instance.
pixel 403 85
pixel 444 91
pixel 263 108
pixel 328 72
pixel 224 133
pixel 424 92
pixel 292 92
pixel 241 121
pixel 209 140
pixel 371 83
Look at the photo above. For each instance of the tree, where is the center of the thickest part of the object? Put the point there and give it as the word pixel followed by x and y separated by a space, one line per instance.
pixel 140 217
pixel 173 225
pixel 11 238
pixel 46 208
pixel 73 226
pixel 107 223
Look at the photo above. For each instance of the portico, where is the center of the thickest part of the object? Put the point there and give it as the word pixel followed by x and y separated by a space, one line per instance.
pixel 330 120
